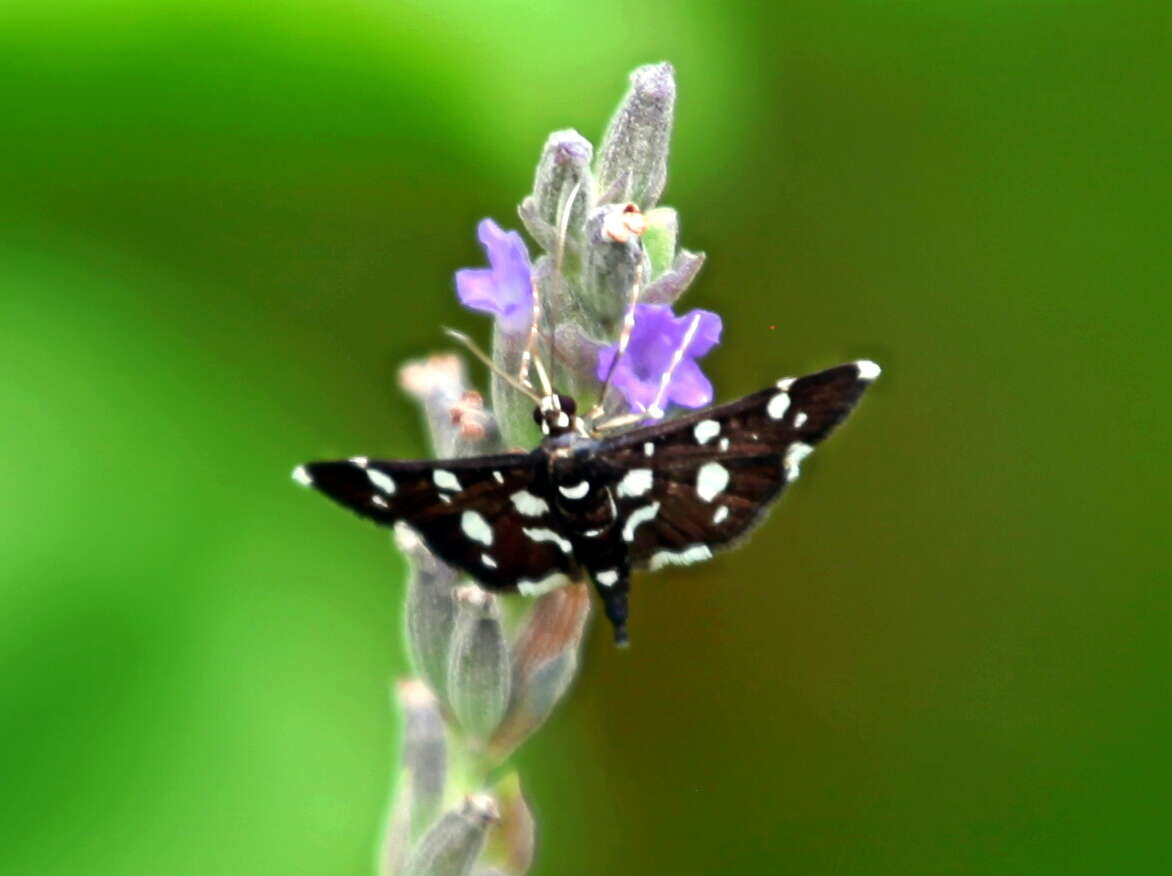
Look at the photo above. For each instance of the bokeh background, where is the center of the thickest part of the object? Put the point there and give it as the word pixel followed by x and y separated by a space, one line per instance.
pixel 224 224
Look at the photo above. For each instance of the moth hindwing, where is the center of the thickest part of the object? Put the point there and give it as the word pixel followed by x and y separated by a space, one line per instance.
pixel 667 494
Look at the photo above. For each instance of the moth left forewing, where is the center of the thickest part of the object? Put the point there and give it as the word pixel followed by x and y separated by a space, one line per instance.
pixel 390 490
pixel 483 515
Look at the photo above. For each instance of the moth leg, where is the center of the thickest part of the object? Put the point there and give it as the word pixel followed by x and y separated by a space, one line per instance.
pixel 613 585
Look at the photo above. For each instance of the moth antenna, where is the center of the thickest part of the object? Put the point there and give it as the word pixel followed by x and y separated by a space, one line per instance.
pixel 483 357
pixel 546 386
pixel 534 328
pixel 624 340
pixel 530 357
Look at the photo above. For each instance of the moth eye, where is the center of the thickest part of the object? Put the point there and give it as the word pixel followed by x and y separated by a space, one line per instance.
pixel 568 404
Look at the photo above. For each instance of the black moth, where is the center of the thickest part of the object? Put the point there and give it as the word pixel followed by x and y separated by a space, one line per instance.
pixel 671 493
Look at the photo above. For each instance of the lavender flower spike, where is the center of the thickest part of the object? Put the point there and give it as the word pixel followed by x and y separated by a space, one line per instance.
pixel 504 289
pixel 657 337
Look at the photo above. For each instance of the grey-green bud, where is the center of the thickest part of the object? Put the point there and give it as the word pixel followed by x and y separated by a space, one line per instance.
pixel 456 418
pixel 562 190
pixel 511 843
pixel 632 164
pixel 425 755
pixel 479 671
pixel 431 609
pixel 614 262
pixel 671 284
pixel 659 240
pixel 452 846
pixel 544 663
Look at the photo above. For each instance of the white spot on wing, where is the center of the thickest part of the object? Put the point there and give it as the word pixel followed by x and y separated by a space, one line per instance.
pixel 635 483
pixel 778 405
pixel 721 515
pixel 378 500
pixel 785 383
pixel 706 430
pixel 723 444
pixel 488 561
pixel 694 554
pixel 639 516
pixel 445 480
pixel 800 419
pixel 551 536
pixel 500 478
pixel 528 504
pixel 302 476
pixel 648 448
pixel 382 480
pixel 607 577
pixel 359 461
pixel 577 491
pixel 546 584
pixel 793 459
pixel 476 527
pixel 868 370
pixel 711 480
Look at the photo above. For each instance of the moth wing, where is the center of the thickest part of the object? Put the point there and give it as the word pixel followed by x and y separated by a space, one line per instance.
pixel 483 515
pixel 698 483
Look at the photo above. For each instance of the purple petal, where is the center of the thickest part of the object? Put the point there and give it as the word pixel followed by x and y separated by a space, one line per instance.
pixel 655 341
pixel 476 289
pixel 639 393
pixel 605 357
pixel 503 289
pixel 506 252
pixel 707 332
pixel 689 387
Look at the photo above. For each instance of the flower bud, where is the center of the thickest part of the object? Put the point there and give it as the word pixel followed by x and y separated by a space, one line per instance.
pixel 545 660
pixel 632 164
pixel 452 846
pixel 479 673
pixel 673 282
pixel 563 173
pixel 425 754
pixel 659 238
pixel 441 385
pixel 577 357
pixel 431 609
pixel 510 844
pixel 614 262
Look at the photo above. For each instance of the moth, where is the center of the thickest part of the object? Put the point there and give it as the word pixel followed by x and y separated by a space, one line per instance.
pixel 584 502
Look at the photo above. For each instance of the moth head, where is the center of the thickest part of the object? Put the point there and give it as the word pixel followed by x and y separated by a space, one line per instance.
pixel 555 414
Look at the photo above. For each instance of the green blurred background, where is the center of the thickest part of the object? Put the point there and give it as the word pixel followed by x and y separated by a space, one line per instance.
pixel 223 225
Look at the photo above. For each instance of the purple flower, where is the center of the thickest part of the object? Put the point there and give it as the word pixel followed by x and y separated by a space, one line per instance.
pixel 656 340
pixel 504 289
